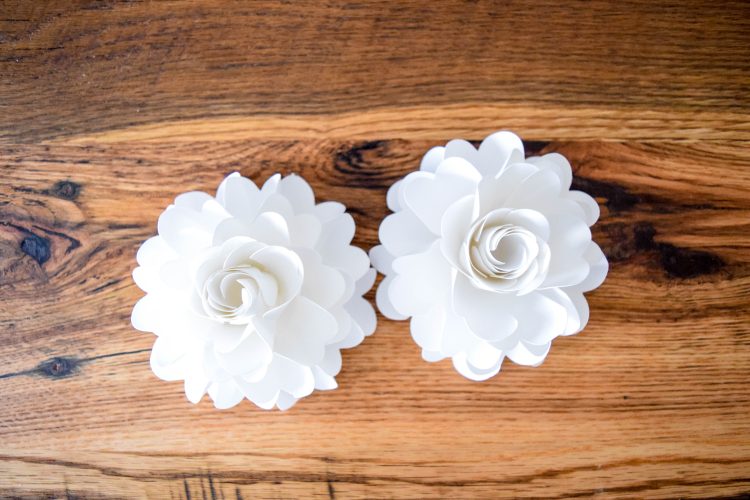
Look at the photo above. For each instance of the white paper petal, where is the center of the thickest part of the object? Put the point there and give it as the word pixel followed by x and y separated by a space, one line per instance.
pixel 494 192
pixel 575 321
pixel 225 394
pixel 331 362
pixel 236 251
pixel 298 192
pixel 532 220
pixel 343 325
pixel 588 204
pixel 294 378
pixel 196 385
pixel 172 274
pixel 429 197
pixel 323 381
pixel 598 268
pixel 285 266
pixel 284 376
pixel 456 221
pixel 226 338
pixel 253 293
pixel 459 148
pixel 285 401
pixel 556 163
pixel 427 328
pixel 489 315
pixel 541 316
pixel 338 231
pixel 249 355
pixel 178 227
pixel 432 159
pixel 433 356
pixel 327 211
pixel 363 313
pixel 527 354
pixel 457 335
pixel 270 228
pixel 403 233
pixel 271 186
pixel 323 284
pixel 581 307
pixel 484 357
pixel 213 370
pixel 471 372
pixel 147 280
pixel 145 315
pixel 421 280
pixel 240 196
pixel 154 252
pixel 382 259
pixel 383 300
pixel 276 203
pixel 353 338
pixel 569 239
pixel 212 213
pixel 536 191
pixel 193 200
pixel 262 393
pixel 515 247
pixel 303 330
pixel 167 356
pixel 499 150
pixel 392 196
pixel 222 189
pixel 350 259
pixel 364 284
pixel 228 229
pixel 305 230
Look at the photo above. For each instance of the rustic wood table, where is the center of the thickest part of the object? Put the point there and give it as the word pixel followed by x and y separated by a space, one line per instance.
pixel 108 109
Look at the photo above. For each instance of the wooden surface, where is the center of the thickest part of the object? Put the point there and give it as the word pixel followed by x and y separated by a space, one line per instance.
pixel 108 109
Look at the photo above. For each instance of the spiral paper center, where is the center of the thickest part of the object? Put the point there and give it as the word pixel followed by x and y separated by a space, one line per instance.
pixel 505 256
pixel 236 294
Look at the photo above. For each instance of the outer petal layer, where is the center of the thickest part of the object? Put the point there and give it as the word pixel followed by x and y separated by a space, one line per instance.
pixel 253 293
pixel 489 254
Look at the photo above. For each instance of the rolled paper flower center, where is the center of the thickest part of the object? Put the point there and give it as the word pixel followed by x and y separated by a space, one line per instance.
pixel 236 294
pixel 505 256
pixel 503 252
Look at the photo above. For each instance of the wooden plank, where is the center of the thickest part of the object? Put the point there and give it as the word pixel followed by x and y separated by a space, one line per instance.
pixel 651 400
pixel 109 108
pixel 582 70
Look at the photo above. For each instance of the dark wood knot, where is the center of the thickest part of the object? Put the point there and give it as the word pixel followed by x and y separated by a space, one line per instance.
pixel 36 247
pixel 58 367
pixel 67 190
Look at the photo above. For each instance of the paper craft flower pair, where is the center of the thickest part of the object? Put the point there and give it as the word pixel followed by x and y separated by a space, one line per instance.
pixel 254 292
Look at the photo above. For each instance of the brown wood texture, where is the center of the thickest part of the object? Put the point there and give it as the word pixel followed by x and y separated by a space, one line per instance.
pixel 108 109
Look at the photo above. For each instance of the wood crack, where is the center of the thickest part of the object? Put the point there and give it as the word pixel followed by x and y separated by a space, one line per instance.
pixel 63 366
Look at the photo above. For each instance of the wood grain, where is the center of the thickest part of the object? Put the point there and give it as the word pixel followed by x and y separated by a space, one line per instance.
pixel 108 109
pixel 577 70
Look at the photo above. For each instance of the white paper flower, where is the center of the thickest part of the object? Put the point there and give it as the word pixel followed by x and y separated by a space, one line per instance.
pixel 253 293
pixel 489 254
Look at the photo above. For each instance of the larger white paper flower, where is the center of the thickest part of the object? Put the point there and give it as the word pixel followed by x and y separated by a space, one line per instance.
pixel 489 254
pixel 253 293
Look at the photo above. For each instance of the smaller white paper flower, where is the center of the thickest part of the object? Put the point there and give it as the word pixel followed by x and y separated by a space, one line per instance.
pixel 489 253
pixel 253 293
